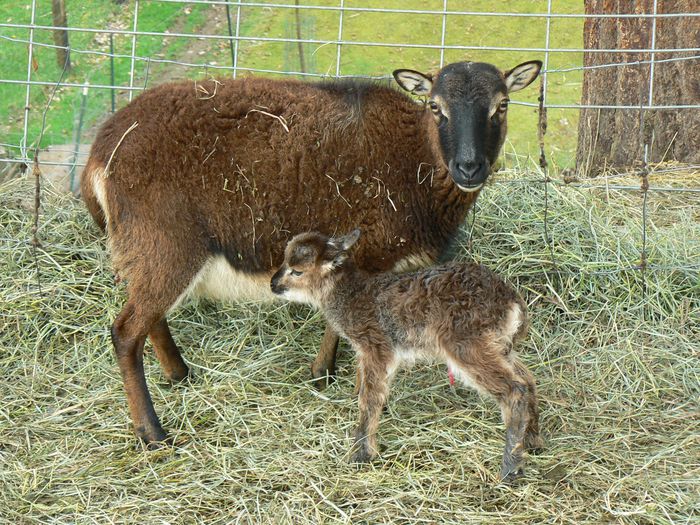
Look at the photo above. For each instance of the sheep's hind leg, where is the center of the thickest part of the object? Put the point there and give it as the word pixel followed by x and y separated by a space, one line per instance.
pixel 167 352
pixel 323 367
pixel 153 287
pixel 128 336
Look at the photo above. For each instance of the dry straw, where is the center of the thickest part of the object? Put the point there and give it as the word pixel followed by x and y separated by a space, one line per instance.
pixel 255 443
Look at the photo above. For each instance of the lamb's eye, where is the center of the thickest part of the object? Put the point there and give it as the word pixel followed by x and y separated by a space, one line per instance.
pixel 434 106
pixel 295 273
pixel 503 105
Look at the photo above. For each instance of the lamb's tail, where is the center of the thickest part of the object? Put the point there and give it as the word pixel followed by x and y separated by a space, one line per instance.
pixel 521 333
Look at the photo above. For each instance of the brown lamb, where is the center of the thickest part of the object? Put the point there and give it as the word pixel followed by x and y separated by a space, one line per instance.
pixel 200 185
pixel 461 313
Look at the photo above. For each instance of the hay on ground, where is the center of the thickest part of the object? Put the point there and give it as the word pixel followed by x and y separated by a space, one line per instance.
pixel 614 350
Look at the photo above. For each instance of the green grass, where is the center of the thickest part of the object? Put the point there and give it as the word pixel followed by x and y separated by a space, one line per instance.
pixel 614 352
pixel 259 21
pixel 94 69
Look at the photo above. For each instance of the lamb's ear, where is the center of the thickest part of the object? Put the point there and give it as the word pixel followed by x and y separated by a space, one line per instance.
pixel 346 242
pixel 414 81
pixel 350 239
pixel 522 75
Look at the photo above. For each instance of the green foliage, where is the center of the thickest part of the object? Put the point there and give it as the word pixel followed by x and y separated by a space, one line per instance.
pixel 86 67
pixel 376 60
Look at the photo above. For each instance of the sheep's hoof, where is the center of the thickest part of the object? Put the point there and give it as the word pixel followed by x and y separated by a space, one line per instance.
pixel 180 375
pixel 322 377
pixel 154 438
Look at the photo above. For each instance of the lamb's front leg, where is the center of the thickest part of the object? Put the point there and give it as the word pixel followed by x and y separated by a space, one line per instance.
pixel 374 379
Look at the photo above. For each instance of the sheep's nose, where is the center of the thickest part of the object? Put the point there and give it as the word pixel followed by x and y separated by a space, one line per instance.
pixel 469 173
pixel 469 170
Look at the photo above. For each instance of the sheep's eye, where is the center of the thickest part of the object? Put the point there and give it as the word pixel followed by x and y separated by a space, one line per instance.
pixel 503 105
pixel 295 273
pixel 434 106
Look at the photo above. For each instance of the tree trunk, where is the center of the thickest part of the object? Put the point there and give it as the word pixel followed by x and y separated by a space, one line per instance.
pixel 300 45
pixel 60 36
pixel 615 138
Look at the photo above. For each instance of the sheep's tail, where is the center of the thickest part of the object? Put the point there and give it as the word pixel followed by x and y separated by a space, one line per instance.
pixel 92 171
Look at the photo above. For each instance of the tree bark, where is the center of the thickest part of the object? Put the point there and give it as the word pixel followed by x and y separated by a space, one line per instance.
pixel 60 36
pixel 300 45
pixel 615 138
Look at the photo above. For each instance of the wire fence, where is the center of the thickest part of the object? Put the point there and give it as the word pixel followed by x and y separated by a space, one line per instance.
pixel 121 48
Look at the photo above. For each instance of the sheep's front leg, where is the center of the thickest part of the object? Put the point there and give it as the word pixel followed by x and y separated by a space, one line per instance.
pixel 373 393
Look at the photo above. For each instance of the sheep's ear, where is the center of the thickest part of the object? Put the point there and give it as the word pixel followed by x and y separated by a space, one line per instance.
pixel 414 81
pixel 522 75
pixel 346 242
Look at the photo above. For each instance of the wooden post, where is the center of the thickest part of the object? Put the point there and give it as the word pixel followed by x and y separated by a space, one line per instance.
pixel 300 45
pixel 616 138
pixel 60 36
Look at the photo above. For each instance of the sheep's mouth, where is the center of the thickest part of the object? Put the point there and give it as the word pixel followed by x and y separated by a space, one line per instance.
pixel 470 188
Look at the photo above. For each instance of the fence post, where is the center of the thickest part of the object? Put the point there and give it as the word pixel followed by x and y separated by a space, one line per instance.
pixel 111 71
pixel 78 132
pixel 230 34
pixel 340 38
pixel 300 45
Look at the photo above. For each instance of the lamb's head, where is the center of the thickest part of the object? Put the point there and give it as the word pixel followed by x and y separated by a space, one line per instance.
pixel 469 101
pixel 312 263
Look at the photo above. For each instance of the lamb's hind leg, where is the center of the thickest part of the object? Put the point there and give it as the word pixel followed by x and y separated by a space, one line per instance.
pixel 514 408
pixel 533 440
pixel 485 368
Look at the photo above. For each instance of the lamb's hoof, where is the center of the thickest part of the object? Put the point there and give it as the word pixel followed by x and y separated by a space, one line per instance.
pixel 361 457
pixel 511 477
pixel 534 443
pixel 322 377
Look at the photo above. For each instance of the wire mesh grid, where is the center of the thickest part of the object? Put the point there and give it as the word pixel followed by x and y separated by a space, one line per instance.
pixel 148 42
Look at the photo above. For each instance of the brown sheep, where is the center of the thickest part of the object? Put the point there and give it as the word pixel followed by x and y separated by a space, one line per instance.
pixel 461 314
pixel 200 186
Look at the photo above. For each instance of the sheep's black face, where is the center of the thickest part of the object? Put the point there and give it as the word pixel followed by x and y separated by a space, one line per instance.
pixel 470 103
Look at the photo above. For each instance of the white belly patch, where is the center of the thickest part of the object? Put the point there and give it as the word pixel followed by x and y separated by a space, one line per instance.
pixel 219 281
